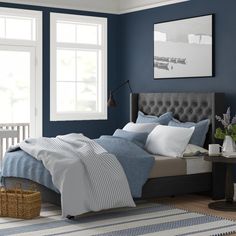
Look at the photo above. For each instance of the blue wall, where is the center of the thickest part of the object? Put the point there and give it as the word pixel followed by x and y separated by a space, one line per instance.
pixel 90 128
pixel 130 56
pixel 137 49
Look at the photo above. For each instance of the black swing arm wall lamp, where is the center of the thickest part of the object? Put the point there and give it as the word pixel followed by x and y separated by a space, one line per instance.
pixel 111 101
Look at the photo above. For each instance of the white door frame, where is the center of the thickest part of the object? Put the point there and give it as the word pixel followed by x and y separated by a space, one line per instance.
pixel 35 116
pixel 38 61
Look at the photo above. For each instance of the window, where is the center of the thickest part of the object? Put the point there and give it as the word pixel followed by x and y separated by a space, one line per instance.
pixel 21 69
pixel 10 25
pixel 78 67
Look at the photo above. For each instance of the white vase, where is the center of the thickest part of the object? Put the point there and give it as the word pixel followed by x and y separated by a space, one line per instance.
pixel 228 145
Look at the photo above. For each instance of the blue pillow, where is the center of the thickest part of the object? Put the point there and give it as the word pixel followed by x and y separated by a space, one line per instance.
pixel 162 120
pixel 199 134
pixel 137 138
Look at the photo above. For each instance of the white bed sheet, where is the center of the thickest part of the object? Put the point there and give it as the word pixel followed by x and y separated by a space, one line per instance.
pixel 170 166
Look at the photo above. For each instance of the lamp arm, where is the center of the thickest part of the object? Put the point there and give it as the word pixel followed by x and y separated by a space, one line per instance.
pixel 130 87
pixel 116 89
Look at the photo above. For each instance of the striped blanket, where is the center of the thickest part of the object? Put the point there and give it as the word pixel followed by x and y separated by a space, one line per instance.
pixel 87 176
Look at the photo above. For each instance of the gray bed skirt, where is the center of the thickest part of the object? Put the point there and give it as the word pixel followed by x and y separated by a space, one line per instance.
pixel 47 195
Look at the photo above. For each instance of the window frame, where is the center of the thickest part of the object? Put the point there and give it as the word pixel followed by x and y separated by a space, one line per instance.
pixel 36 96
pixel 77 115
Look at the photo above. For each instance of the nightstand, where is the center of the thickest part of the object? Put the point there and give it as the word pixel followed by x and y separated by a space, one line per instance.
pixel 228 204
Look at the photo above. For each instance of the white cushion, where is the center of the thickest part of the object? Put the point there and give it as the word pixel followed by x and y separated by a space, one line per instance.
pixel 140 127
pixel 168 141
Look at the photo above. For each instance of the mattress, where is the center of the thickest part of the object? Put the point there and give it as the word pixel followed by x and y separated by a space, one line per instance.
pixel 20 164
pixel 169 166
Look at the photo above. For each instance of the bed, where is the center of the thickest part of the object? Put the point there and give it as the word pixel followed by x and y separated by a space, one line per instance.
pixel 185 178
pixel 185 107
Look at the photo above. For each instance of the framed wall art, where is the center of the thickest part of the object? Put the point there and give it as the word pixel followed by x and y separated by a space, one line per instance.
pixel 184 48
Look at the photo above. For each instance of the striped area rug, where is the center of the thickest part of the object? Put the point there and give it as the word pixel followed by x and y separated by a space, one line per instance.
pixel 146 219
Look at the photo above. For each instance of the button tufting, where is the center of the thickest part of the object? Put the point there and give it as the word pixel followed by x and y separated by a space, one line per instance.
pixel 194 104
pixel 183 108
pixel 208 111
pixel 164 110
pixel 185 118
pixel 156 110
pixel 176 103
pixel 151 103
pixel 168 103
pixel 148 110
pixel 190 110
pixel 194 118
pixel 199 110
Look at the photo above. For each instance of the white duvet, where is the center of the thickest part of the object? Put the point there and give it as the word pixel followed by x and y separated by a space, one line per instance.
pixel 87 176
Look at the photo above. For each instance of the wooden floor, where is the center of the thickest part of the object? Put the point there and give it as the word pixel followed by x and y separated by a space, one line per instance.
pixel 196 203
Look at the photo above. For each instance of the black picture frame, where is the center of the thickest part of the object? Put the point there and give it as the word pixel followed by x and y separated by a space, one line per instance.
pixel 204 50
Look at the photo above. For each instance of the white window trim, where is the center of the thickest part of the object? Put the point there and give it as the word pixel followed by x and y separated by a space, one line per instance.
pixel 36 128
pixel 54 115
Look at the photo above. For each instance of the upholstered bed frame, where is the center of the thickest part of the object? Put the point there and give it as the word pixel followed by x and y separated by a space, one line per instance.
pixel 185 107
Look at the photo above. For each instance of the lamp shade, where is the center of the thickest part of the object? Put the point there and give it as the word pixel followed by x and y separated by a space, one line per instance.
pixel 111 101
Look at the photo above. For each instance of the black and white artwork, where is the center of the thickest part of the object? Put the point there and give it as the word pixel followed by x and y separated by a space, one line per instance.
pixel 183 48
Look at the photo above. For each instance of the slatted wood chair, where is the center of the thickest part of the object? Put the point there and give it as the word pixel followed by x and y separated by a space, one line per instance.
pixel 10 134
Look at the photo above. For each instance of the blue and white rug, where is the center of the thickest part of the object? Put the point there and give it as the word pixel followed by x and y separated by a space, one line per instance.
pixel 146 219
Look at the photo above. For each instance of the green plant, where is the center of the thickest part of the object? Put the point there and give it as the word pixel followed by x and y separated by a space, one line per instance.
pixel 228 124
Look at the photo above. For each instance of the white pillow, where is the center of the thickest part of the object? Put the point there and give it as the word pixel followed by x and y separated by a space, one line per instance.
pixel 168 141
pixel 194 150
pixel 140 127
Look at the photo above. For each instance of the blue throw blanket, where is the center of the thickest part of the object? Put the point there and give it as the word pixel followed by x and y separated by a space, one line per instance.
pixel 136 163
pixel 21 165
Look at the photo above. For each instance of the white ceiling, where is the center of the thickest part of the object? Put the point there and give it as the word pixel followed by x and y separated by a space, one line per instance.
pixel 106 6
pixel 136 5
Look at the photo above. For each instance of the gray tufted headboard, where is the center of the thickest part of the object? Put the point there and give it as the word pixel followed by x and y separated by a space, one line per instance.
pixel 185 107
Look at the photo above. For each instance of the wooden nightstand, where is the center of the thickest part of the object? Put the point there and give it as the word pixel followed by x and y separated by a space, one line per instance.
pixel 228 204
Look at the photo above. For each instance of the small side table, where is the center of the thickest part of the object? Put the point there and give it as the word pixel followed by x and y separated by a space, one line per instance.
pixel 228 204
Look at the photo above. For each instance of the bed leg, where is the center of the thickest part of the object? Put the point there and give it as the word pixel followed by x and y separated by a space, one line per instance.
pixel 69 217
